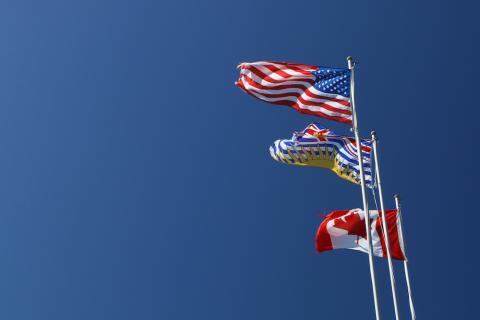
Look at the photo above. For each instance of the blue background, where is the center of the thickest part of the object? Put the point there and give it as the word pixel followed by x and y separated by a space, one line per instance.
pixel 136 181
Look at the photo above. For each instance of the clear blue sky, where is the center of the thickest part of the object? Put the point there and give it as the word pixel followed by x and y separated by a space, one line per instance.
pixel 136 181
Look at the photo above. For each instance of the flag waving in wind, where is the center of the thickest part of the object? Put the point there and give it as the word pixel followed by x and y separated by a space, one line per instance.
pixel 317 146
pixel 319 91
pixel 346 230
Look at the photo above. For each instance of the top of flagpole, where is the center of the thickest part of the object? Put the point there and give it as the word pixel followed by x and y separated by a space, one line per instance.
pixel 350 62
pixel 374 135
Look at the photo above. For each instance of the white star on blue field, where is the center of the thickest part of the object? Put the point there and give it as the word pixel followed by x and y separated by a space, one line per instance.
pixel 334 81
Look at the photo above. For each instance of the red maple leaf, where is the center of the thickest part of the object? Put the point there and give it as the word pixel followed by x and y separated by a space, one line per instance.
pixel 353 224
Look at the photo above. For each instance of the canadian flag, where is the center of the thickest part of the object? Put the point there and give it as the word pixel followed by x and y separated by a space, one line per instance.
pixel 345 229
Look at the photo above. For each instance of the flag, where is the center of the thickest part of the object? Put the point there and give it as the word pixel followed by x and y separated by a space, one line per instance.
pixel 319 91
pixel 346 230
pixel 317 146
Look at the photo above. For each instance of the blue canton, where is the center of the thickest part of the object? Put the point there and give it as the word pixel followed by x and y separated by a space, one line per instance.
pixel 333 80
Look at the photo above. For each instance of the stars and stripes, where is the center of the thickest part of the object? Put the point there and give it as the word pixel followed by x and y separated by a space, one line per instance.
pixel 318 146
pixel 319 91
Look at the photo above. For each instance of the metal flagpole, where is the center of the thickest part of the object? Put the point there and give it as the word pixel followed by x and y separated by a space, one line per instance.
pixel 385 226
pixel 405 263
pixel 351 66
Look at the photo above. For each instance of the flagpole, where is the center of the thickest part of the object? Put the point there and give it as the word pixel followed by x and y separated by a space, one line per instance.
pixel 405 263
pixel 351 66
pixel 385 226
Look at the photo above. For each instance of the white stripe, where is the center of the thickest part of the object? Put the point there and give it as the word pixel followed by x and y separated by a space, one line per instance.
pixel 266 83
pixel 305 107
pixel 277 76
pixel 272 153
pixel 330 146
pixel 282 152
pixel 280 66
pixel 330 95
pixel 302 93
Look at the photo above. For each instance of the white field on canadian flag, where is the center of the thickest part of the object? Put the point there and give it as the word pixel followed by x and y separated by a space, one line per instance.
pixel 342 240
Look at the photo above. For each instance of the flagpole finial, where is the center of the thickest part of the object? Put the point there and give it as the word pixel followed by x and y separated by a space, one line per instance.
pixel 374 135
pixel 350 62
pixel 397 200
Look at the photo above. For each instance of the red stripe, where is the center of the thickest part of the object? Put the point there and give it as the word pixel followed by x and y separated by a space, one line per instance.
pixel 284 74
pixel 323 115
pixel 255 84
pixel 266 77
pixel 309 93
pixel 395 248
pixel 301 68
pixel 313 95
pixel 298 97
pixel 295 106
pixel 307 103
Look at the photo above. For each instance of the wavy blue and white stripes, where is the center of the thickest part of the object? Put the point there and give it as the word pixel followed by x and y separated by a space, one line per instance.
pixel 318 146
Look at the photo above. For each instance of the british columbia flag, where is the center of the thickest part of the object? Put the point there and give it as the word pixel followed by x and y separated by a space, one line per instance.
pixel 318 146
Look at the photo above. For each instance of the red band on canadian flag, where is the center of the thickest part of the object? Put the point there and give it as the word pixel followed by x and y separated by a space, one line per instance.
pixel 345 229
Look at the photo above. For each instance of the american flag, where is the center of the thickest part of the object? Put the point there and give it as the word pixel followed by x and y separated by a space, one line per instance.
pixel 319 91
